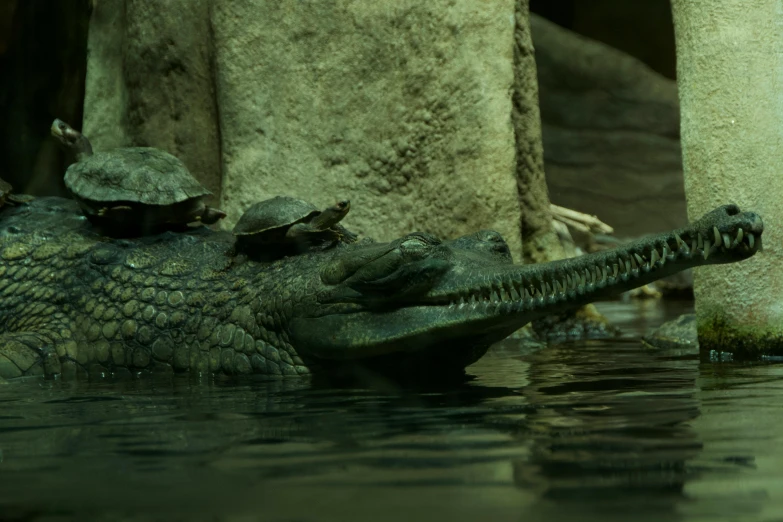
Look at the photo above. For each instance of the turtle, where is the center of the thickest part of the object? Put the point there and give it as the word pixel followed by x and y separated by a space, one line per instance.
pixel 133 190
pixel 7 197
pixel 289 224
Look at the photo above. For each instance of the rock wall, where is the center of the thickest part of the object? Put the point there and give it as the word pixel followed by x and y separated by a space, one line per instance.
pixel 150 82
pixel 610 132
pixel 402 106
pixel 730 71
pixel 540 243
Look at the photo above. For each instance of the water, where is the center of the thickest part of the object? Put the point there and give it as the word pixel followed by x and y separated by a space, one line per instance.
pixel 584 431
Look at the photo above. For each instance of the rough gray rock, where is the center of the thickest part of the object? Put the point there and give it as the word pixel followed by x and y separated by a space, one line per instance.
pixel 540 241
pixel 402 106
pixel 610 133
pixel 150 82
pixel 729 74
pixel 678 333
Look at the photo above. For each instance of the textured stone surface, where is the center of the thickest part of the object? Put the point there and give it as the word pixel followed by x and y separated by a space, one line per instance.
pixel 539 239
pixel 730 73
pixel 150 82
pixel 610 133
pixel 402 106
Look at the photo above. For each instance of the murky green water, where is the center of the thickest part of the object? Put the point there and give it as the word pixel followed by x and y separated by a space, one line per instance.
pixel 585 431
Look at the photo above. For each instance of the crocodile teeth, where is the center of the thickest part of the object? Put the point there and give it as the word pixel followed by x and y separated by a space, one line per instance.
pixel 664 254
pixel 514 293
pixel 504 295
pixel 738 239
pixel 615 270
pixel 639 259
pixel 699 241
pixel 654 257
pixel 627 267
pixel 494 296
pixel 681 244
pixel 526 294
pixel 726 241
pixel 706 249
pixel 751 240
pixel 462 300
pixel 547 288
pixel 717 235
pixel 559 287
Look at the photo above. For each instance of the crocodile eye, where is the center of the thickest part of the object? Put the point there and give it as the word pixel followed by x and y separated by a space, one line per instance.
pixel 413 243
pixel 418 240
pixel 490 236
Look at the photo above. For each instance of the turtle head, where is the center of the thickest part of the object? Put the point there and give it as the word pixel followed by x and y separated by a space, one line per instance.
pixel 330 216
pixel 71 139
pixel 340 208
pixel 337 212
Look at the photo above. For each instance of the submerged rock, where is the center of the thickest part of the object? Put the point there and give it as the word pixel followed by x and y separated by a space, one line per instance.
pixel 679 333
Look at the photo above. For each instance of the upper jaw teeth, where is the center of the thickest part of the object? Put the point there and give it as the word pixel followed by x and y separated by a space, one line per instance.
pixel 615 268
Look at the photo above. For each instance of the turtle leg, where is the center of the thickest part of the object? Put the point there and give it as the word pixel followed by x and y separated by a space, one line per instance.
pixel 20 199
pixel 30 353
pixel 300 237
pixel 106 211
pixel 210 215
pixel 306 237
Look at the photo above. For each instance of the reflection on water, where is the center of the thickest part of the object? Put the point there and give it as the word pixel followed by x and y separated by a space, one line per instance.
pixel 582 431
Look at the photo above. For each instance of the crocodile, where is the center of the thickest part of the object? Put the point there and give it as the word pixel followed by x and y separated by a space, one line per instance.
pixel 74 303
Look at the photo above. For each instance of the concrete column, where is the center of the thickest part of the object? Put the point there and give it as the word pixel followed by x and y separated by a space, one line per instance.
pixel 730 76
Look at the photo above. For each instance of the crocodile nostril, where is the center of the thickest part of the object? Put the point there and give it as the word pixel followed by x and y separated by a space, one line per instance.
pixel 490 236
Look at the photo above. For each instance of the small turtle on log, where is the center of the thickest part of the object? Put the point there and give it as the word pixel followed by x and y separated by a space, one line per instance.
pixel 133 190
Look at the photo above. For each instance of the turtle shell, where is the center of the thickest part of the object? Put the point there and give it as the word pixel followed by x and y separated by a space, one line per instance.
pixel 275 213
pixel 142 175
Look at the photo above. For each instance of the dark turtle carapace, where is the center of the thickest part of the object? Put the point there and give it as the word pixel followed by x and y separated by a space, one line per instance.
pixel 284 223
pixel 133 190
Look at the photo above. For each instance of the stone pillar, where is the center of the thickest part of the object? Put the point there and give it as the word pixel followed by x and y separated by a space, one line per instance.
pixel 730 76
pixel 401 106
pixel 150 82
pixel 539 239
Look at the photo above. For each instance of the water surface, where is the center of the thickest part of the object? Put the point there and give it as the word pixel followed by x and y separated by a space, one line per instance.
pixel 585 431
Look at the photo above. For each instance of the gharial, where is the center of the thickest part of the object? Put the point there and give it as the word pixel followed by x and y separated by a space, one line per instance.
pixel 133 190
pixel 75 303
